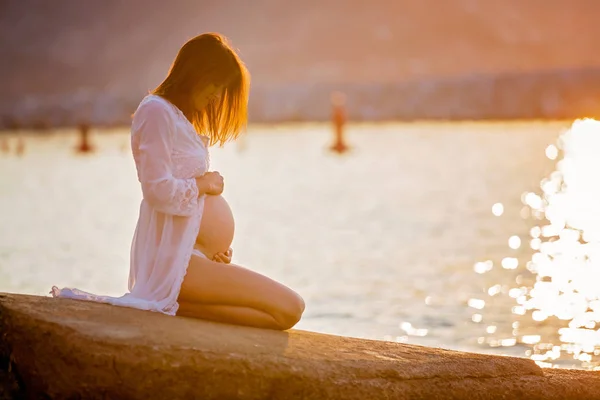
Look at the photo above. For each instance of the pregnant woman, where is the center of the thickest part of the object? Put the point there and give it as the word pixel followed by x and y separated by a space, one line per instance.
pixel 180 252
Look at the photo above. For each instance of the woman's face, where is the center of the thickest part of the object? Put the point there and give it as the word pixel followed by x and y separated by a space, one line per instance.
pixel 210 93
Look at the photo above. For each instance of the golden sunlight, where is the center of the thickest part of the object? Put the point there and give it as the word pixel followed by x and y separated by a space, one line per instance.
pixel 565 263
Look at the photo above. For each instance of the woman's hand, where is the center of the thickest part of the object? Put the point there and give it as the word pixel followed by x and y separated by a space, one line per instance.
pixel 224 258
pixel 210 183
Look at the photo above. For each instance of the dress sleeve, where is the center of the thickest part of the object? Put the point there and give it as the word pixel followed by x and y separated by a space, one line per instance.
pixel 153 147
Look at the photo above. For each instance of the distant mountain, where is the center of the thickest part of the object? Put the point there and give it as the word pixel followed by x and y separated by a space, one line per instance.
pixel 68 60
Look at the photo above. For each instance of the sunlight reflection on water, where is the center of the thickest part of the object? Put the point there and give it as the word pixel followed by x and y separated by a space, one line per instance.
pixel 563 285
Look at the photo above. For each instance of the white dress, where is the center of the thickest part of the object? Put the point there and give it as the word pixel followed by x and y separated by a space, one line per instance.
pixel 168 155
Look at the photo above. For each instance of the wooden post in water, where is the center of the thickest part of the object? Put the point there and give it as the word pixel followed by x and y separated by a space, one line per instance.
pixel 20 145
pixel 5 146
pixel 84 142
pixel 338 105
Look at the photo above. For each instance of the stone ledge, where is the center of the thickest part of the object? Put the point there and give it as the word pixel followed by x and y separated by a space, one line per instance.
pixel 70 349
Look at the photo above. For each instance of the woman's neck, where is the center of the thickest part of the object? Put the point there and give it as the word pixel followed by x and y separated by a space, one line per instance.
pixel 182 104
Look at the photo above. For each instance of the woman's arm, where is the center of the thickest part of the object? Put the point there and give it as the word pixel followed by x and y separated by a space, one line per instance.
pixel 161 189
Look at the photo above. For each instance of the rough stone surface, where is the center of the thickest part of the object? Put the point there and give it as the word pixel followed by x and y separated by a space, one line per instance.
pixel 65 349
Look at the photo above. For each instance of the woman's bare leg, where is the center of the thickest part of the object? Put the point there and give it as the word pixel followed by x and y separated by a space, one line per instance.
pixel 233 294
pixel 229 314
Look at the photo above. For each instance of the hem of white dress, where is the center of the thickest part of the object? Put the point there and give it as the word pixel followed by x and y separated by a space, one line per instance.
pixel 172 309
pixel 126 300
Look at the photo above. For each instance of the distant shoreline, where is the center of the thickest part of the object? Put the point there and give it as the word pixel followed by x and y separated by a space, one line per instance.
pixel 554 94
pixel 254 125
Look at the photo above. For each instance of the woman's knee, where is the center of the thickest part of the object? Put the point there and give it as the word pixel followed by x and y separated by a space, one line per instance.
pixel 289 311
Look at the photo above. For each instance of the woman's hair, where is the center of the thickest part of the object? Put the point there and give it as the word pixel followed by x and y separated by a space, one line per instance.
pixel 204 60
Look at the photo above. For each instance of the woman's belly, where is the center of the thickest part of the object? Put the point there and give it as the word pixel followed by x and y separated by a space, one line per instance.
pixel 216 228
